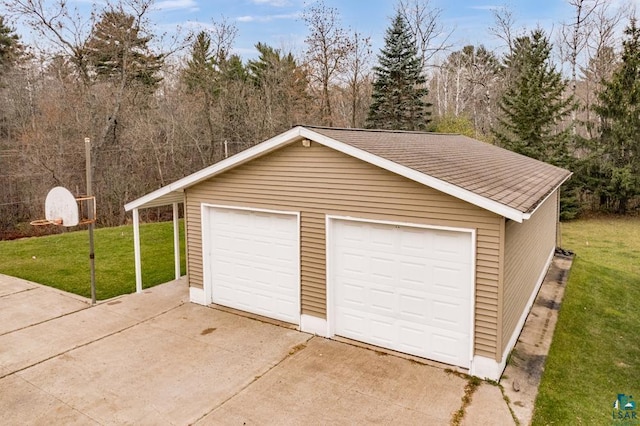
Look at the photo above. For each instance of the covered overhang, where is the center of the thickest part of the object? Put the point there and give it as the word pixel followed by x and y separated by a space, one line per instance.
pixel 159 198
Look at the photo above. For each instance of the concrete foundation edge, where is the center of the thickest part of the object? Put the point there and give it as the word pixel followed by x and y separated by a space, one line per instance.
pixel 196 295
pixel 487 368
pixel 314 325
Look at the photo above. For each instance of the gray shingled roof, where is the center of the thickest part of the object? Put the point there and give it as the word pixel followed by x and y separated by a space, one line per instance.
pixel 514 180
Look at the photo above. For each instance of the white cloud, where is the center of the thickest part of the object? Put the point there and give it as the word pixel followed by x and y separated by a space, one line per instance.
pixel 266 18
pixel 177 4
pixel 485 7
pixel 274 3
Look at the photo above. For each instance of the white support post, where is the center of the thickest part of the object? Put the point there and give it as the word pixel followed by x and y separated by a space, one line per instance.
pixel 176 239
pixel 136 250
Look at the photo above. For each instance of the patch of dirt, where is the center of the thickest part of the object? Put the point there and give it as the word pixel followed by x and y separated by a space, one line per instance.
pixel 534 365
pixel 548 303
pixel 28 231
pixel 297 348
pixel 207 331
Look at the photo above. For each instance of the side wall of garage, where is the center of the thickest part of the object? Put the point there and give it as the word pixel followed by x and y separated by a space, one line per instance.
pixel 318 181
pixel 528 247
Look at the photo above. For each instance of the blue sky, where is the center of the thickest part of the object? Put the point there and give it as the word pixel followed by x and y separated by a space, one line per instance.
pixel 277 22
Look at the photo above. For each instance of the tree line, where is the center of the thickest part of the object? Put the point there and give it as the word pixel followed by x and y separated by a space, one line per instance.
pixel 157 114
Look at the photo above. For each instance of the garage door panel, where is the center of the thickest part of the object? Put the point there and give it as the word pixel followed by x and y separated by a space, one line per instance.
pixel 254 262
pixel 452 246
pixel 411 273
pixel 404 288
pixel 382 331
pixel 382 267
pixel 351 263
pixel 282 280
pixel 444 279
pixel 413 241
pixel 355 324
pixel 450 316
pixel 382 301
pixel 413 307
pixel 411 338
pixel 380 246
pixel 447 347
pixel 352 294
pixel 280 253
pixel 352 234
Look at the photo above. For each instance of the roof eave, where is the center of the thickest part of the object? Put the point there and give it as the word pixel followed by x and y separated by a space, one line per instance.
pixel 215 169
pixel 528 215
pixel 440 185
pixel 153 198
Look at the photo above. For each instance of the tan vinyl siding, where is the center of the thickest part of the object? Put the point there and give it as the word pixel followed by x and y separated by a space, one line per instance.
pixel 319 181
pixel 313 263
pixel 528 246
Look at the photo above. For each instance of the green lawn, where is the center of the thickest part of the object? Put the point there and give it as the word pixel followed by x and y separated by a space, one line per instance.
pixel 62 261
pixel 595 353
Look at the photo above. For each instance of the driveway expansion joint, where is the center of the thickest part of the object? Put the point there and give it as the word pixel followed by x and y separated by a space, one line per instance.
pixel 292 351
pixel 45 321
pixel 61 401
pixel 24 290
pixel 135 324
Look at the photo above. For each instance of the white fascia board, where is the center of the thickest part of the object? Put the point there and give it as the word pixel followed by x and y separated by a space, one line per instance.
pixel 430 181
pixel 528 215
pixel 149 198
pixel 217 168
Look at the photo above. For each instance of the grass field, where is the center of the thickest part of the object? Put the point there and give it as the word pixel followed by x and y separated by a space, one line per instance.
pixel 62 261
pixel 595 354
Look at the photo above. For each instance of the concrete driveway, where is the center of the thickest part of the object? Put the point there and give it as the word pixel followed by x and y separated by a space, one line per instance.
pixel 154 358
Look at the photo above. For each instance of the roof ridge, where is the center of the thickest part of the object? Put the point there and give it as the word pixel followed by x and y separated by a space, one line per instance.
pixel 356 129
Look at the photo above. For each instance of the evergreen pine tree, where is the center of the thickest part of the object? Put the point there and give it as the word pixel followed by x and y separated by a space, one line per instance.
pixel 533 105
pixel 399 90
pixel 10 47
pixel 117 48
pixel 619 111
pixel 200 72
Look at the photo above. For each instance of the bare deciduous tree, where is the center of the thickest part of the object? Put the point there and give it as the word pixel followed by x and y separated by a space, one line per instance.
pixel 358 78
pixel 425 23
pixel 328 46
pixel 573 40
pixel 465 85
pixel 504 26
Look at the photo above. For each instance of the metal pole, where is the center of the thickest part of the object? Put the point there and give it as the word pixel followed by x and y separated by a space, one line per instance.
pixel 92 261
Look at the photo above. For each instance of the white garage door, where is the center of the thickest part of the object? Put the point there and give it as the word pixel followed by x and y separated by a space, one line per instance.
pixel 254 258
pixel 404 288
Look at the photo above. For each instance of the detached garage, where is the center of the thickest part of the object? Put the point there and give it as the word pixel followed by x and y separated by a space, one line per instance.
pixel 428 244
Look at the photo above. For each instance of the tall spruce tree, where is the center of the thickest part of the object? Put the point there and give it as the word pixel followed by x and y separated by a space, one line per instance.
pixel 10 47
pixel 399 90
pixel 118 50
pixel 619 112
pixel 534 103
